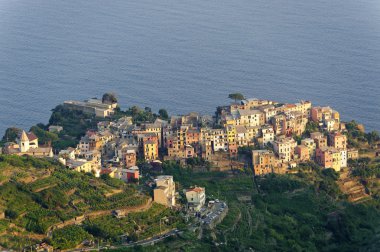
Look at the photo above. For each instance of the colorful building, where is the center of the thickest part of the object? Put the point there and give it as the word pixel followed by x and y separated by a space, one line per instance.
pixel 264 161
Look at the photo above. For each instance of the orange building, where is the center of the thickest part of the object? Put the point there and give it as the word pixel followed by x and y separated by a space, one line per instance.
pixel 303 152
pixel 233 149
pixel 185 152
pixel 95 142
pixel 338 140
pixel 264 161
pixel 324 157
pixel 192 136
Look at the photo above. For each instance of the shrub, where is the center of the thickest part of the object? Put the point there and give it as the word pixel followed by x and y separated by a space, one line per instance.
pixel 69 237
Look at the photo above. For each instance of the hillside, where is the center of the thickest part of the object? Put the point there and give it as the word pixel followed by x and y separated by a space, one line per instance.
pixel 38 195
pixel 300 212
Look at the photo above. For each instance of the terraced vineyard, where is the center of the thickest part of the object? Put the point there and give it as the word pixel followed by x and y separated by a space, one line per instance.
pixel 54 196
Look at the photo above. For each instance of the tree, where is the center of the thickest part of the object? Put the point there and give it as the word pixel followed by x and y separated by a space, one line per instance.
pixel 135 110
pixel 373 137
pixel 163 114
pixel 11 134
pixel 109 98
pixel 236 96
pixel 43 135
pixel 311 127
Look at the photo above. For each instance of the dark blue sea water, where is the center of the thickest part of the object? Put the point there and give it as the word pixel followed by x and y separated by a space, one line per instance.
pixel 188 55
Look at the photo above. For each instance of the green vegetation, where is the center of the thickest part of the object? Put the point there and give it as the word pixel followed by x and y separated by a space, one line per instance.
pixel 236 96
pixel 74 123
pixel 44 136
pixel 163 114
pixel 310 127
pixel 69 237
pixel 364 168
pixel 36 194
pixel 301 212
pixel 137 226
pixel 198 162
pixel 109 98
pixel 356 135
pixel 11 135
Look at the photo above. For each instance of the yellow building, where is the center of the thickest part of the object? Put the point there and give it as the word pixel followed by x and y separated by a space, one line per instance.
pixel 336 116
pixel 336 159
pixel 352 154
pixel 150 149
pixel 182 136
pixel 80 165
pixel 231 133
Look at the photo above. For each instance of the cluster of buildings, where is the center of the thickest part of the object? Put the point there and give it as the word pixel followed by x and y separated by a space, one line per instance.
pixel 328 149
pixel 115 147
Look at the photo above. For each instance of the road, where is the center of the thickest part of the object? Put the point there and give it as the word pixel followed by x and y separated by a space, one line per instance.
pixel 213 216
pixel 149 241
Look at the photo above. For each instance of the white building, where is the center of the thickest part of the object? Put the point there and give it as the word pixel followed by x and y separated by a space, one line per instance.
pixel 343 154
pixel 284 148
pixel 69 153
pixel 27 144
pixel 92 106
pixel 248 117
pixel 267 133
pixel 196 198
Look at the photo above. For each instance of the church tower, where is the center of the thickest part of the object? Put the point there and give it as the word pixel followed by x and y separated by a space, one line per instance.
pixel 24 142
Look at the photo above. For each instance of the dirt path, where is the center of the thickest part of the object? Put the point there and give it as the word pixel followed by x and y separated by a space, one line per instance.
pixel 352 187
pixel 249 221
pixel 29 235
pixel 115 191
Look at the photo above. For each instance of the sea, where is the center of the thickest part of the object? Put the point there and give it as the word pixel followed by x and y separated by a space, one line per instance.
pixel 188 55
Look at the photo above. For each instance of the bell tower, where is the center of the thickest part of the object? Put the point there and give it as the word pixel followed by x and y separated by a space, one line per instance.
pixel 24 142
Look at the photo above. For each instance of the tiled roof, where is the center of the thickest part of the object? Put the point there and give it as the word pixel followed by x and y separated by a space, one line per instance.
pixel 196 189
pixel 31 136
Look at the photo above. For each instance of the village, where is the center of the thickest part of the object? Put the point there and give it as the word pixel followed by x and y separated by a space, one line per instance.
pixel 263 136
pixel 277 135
